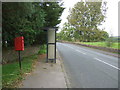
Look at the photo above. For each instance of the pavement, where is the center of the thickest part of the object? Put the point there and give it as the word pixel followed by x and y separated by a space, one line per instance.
pixel 89 68
pixel 46 75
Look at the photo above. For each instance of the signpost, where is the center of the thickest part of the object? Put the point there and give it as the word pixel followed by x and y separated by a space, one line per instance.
pixel 19 46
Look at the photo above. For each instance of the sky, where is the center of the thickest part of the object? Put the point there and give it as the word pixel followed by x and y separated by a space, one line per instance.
pixel 111 24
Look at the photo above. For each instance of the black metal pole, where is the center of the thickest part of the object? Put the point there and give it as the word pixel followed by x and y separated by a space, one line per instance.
pixel 55 45
pixel 47 48
pixel 19 59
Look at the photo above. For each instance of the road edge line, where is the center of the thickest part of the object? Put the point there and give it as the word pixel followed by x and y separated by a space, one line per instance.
pixel 63 68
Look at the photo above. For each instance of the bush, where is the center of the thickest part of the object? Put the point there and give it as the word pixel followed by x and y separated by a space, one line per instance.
pixel 42 49
pixel 109 42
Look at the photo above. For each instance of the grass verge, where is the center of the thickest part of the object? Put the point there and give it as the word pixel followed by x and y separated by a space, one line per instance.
pixel 11 74
pixel 42 49
pixel 102 44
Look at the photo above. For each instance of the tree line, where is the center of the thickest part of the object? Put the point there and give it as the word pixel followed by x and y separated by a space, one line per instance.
pixel 28 19
pixel 83 22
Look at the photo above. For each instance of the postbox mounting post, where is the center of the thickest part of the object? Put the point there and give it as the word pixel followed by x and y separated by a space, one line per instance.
pixel 19 59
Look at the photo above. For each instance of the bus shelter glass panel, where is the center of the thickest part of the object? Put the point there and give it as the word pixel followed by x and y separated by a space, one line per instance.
pixel 51 36
pixel 51 53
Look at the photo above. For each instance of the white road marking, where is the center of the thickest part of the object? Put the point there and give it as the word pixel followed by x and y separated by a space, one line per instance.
pixel 94 58
pixel 91 53
pixel 67 46
pixel 80 52
pixel 74 49
pixel 107 63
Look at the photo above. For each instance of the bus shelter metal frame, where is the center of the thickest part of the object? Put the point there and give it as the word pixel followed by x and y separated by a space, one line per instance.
pixel 49 43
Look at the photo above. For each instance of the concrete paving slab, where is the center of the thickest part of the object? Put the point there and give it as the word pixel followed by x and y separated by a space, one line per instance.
pixel 46 75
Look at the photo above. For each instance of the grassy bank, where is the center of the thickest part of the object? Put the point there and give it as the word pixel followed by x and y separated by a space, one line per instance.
pixel 42 49
pixel 102 44
pixel 11 73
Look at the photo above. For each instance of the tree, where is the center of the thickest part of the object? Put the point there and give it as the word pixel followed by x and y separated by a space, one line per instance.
pixel 14 20
pixel 27 19
pixel 85 17
pixel 53 12
pixel 67 33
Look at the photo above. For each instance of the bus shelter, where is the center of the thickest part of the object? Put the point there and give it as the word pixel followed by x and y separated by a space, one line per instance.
pixel 51 44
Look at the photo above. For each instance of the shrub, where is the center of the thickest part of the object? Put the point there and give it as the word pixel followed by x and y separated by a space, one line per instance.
pixel 109 42
pixel 42 49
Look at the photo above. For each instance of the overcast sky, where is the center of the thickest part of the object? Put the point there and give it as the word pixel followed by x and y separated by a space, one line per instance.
pixel 111 24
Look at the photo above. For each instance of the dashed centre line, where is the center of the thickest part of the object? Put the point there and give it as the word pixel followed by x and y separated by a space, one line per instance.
pixel 107 63
pixel 80 52
pixel 76 49
pixel 94 58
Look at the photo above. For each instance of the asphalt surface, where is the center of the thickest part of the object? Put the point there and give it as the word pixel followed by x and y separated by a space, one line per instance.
pixel 88 68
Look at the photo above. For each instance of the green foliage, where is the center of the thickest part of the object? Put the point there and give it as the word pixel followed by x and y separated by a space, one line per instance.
pixel 109 42
pixel 66 33
pixel 116 45
pixel 53 11
pixel 43 49
pixel 86 15
pixel 70 33
pixel 11 74
pixel 83 23
pixel 103 44
pixel 116 39
pixel 27 19
pixel 21 18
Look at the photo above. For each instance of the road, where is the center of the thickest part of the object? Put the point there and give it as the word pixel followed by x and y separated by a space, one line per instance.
pixel 88 68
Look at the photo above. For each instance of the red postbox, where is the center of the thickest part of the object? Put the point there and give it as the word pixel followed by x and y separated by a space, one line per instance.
pixel 19 43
